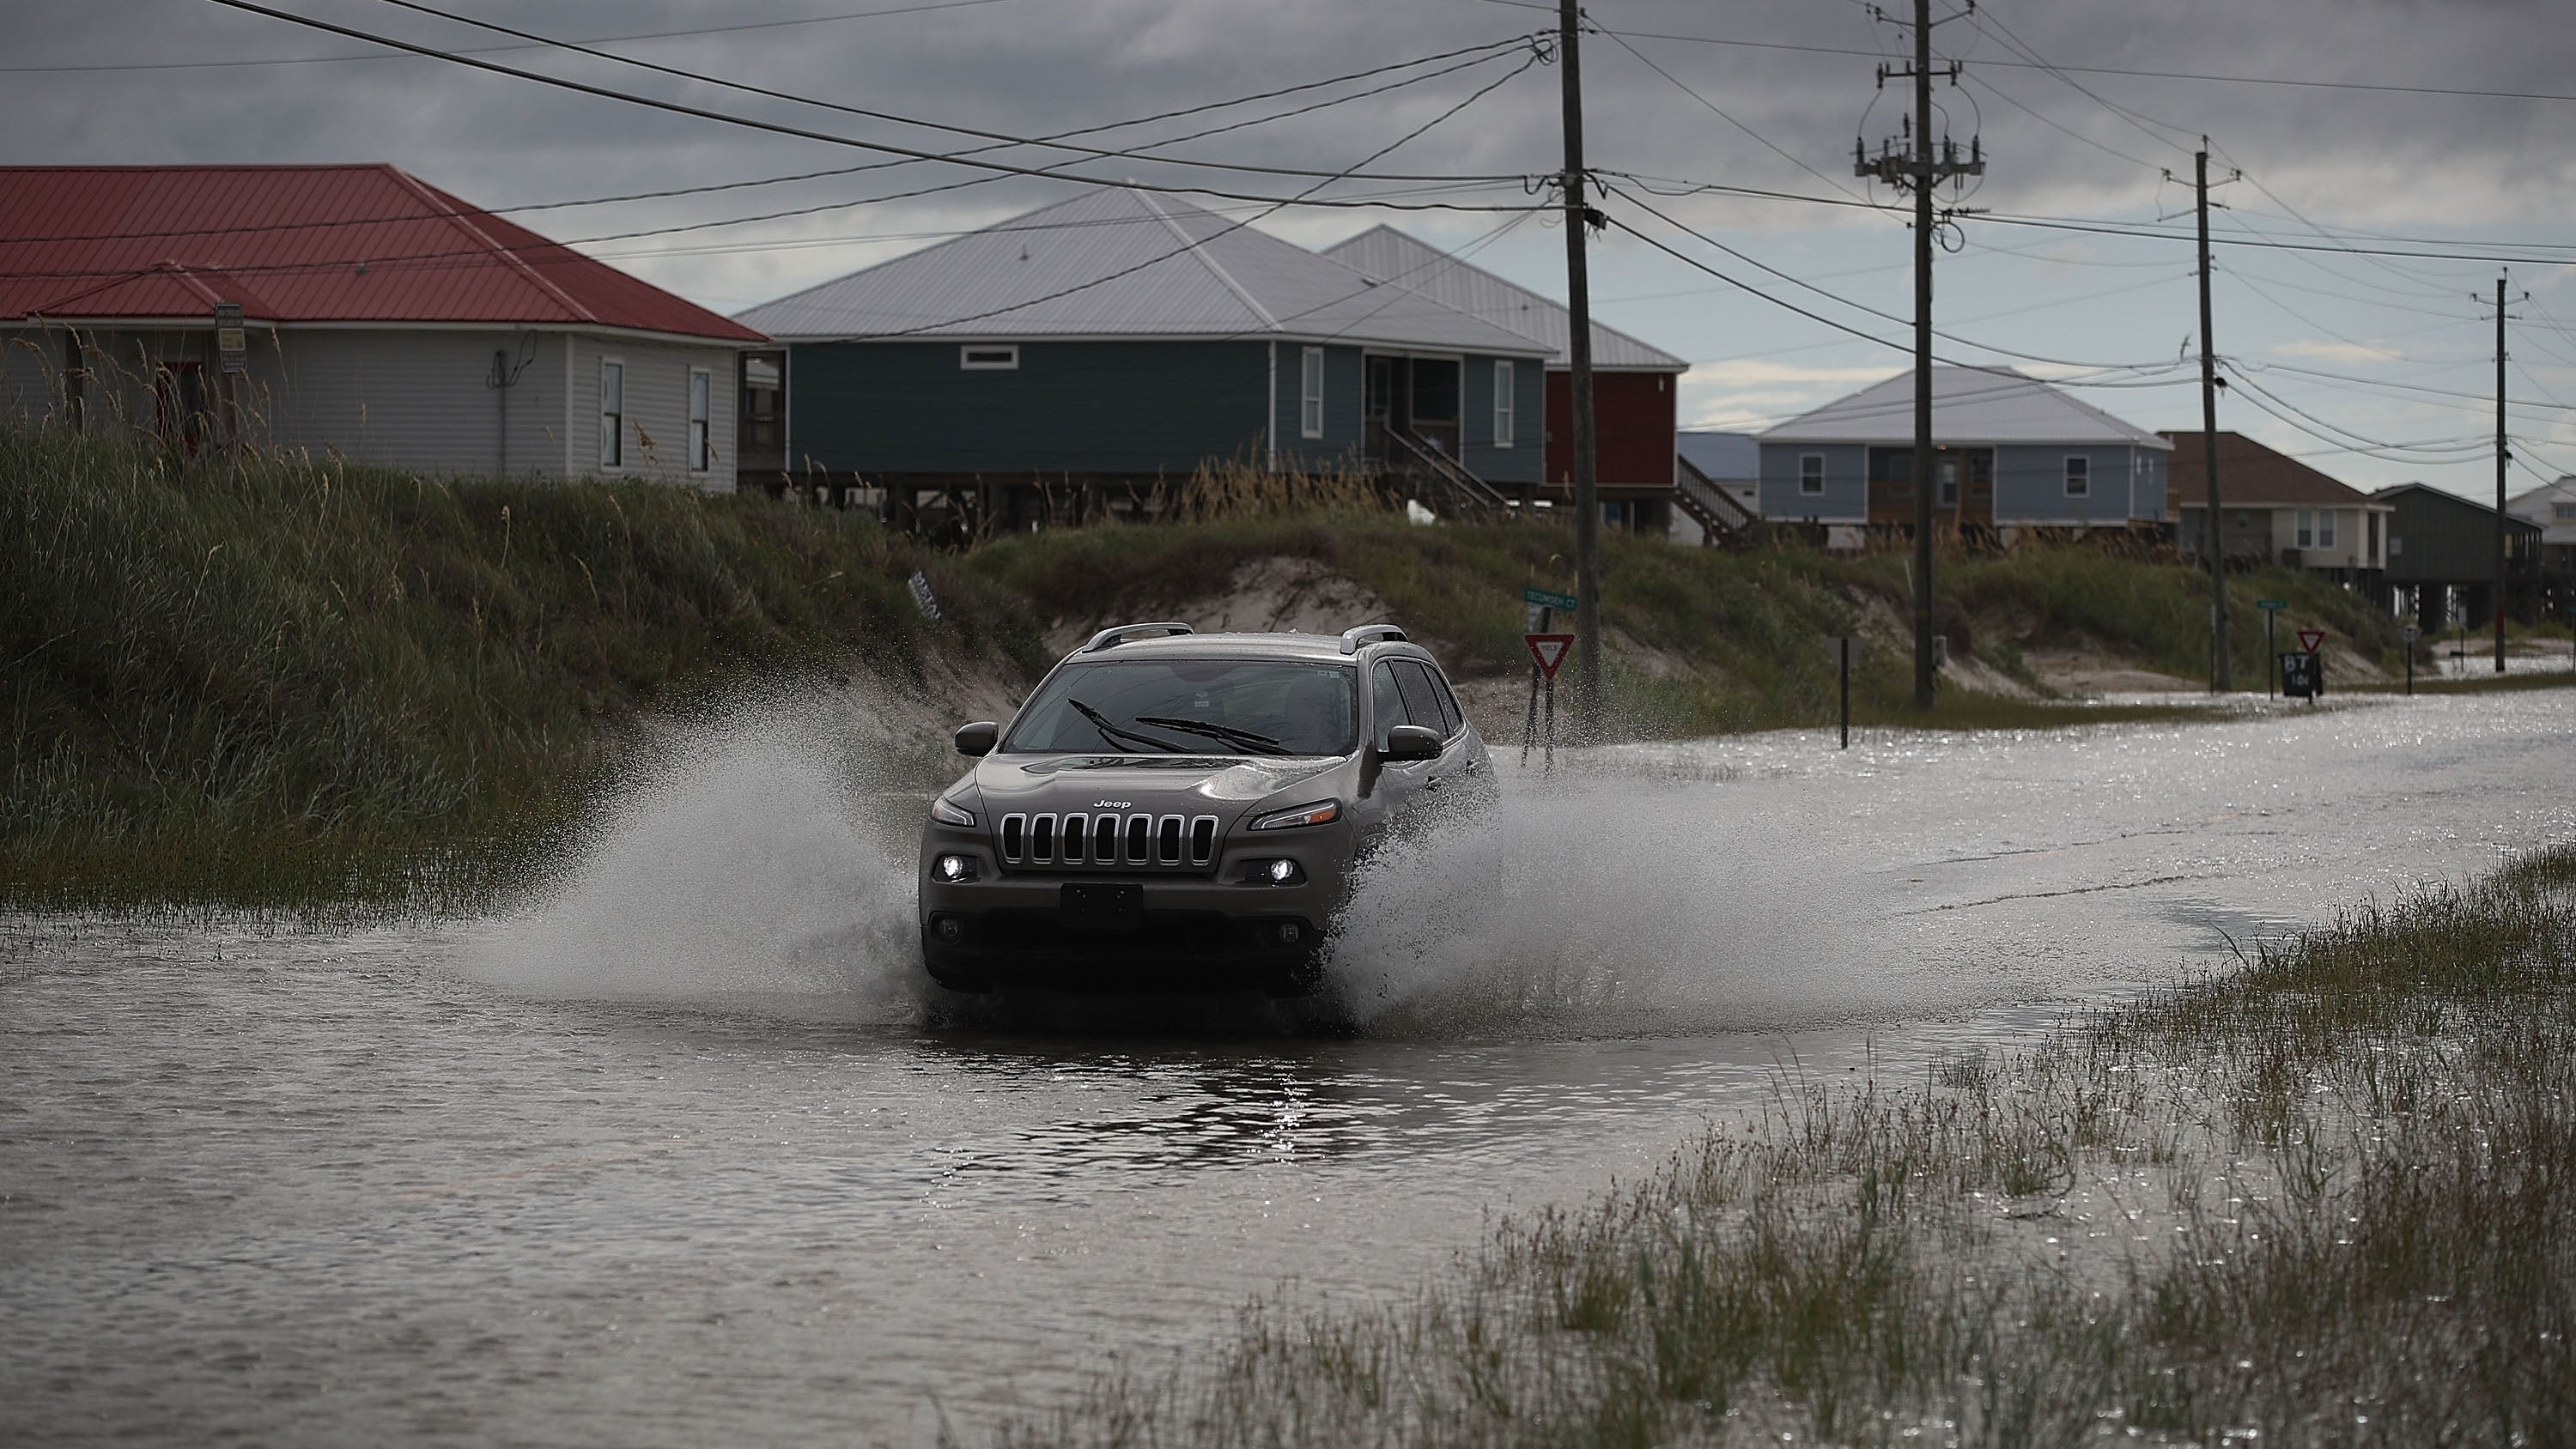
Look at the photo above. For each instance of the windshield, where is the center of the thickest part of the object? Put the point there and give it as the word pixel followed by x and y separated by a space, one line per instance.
pixel 1193 707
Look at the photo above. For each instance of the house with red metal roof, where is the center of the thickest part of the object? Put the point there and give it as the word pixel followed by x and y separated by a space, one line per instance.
pixel 351 310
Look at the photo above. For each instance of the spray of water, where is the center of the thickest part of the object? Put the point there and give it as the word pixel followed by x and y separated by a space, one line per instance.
pixel 1612 907
pixel 764 861
pixel 758 861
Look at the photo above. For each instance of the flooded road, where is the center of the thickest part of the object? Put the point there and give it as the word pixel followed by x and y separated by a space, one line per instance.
pixel 673 1159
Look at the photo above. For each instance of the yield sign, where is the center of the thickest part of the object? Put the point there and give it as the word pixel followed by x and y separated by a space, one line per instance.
pixel 2312 640
pixel 1549 650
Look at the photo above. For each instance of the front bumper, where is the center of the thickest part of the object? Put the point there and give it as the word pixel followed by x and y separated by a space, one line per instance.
pixel 1211 932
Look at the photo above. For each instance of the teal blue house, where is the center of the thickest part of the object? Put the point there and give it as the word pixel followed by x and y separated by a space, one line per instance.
pixel 1119 340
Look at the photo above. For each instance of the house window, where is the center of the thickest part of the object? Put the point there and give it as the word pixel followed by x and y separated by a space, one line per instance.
pixel 2307 529
pixel 701 447
pixel 1502 404
pixel 2562 512
pixel 2325 528
pixel 989 357
pixel 2079 475
pixel 612 414
pixel 1310 409
pixel 2316 528
pixel 1811 473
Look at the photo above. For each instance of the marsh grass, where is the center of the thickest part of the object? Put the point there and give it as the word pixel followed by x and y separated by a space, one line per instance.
pixel 294 681
pixel 2329 1197
pixel 1701 641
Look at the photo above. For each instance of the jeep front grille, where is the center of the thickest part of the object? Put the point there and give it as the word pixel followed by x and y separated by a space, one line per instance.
pixel 1100 841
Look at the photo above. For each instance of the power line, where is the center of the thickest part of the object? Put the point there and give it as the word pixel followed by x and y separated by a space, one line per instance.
pixel 2242 366
pixel 1191 245
pixel 1714 109
pixel 494 49
pixel 1862 307
pixel 807 134
pixel 865 112
pixel 1476 51
pixel 2256 80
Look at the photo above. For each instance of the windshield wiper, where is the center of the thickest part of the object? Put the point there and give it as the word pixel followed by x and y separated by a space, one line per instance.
pixel 1240 739
pixel 1113 734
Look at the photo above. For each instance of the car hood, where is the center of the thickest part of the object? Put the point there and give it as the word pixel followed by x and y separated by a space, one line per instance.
pixel 1156 784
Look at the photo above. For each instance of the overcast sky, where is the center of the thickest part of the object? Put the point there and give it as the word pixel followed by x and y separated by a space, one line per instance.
pixel 1782 89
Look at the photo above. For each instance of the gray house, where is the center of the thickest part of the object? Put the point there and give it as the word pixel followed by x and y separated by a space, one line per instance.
pixel 2013 454
pixel 350 310
pixel 2442 556
pixel 1121 338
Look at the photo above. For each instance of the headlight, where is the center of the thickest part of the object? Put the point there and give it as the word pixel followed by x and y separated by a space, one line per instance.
pixel 1320 813
pixel 948 812
pixel 951 869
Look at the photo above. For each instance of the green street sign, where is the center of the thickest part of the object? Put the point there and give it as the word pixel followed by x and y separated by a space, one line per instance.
pixel 2271 603
pixel 1546 600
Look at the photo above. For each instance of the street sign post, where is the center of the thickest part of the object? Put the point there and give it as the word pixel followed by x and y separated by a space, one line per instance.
pixel 2303 674
pixel 2271 611
pixel 1547 652
pixel 2409 633
pixel 1844 644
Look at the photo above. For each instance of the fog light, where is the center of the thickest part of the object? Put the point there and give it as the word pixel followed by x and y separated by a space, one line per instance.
pixel 951 930
pixel 1281 872
pixel 1289 931
pixel 953 868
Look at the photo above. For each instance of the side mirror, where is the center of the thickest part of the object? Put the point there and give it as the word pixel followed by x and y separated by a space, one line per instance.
pixel 978 738
pixel 1413 742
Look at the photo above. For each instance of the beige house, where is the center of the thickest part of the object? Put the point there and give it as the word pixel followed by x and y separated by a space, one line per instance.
pixel 2274 509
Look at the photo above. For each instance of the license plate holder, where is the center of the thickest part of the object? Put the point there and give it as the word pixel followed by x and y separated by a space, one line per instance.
pixel 1101 907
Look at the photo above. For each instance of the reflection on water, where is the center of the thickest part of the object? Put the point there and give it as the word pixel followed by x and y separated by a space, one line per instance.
pixel 670 1156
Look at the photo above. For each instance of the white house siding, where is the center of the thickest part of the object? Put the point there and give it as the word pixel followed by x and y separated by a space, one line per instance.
pixel 2352 538
pixel 657 409
pixel 416 398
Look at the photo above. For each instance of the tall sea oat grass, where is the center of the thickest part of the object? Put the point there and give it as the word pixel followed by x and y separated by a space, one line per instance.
pixel 2327 1199
pixel 317 678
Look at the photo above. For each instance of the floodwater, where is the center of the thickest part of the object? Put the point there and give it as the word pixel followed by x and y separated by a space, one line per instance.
pixel 673 1158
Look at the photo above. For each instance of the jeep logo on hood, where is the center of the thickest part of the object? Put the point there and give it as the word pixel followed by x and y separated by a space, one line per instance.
pixel 1111 804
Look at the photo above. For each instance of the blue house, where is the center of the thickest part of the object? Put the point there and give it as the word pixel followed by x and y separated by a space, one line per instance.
pixel 1121 339
pixel 2012 453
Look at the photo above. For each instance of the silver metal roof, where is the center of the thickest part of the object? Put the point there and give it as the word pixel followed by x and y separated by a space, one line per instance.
pixel 1391 256
pixel 1124 264
pixel 1969 405
pixel 1721 456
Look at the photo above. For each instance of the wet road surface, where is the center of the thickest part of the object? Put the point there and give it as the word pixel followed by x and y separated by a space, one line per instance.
pixel 673 1159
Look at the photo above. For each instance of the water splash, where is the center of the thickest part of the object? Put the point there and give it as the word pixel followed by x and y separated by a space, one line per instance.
pixel 759 861
pixel 1624 907
pixel 764 862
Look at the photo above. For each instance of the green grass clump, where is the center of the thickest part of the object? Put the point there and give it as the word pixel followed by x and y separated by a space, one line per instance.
pixel 2324 1199
pixel 293 679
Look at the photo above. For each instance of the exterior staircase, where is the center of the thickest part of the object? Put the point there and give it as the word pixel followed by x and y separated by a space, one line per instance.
pixel 1468 492
pixel 1723 520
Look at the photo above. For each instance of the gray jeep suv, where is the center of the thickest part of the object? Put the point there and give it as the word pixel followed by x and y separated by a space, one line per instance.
pixel 1182 810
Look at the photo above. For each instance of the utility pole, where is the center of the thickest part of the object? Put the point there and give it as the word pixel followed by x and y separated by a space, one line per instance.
pixel 1578 343
pixel 2222 667
pixel 1922 171
pixel 2502 457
